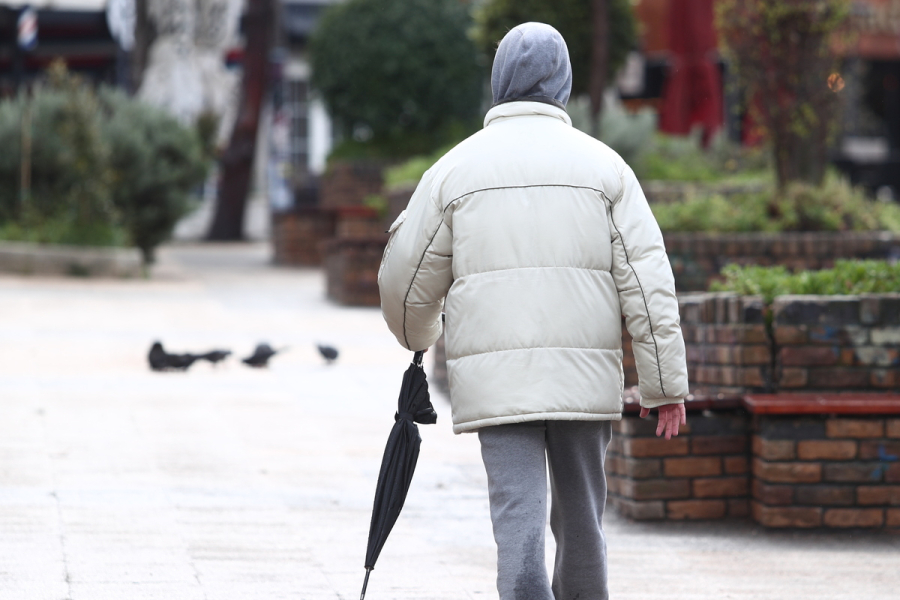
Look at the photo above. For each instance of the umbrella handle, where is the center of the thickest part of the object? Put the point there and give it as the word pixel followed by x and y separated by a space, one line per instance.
pixel 417 358
pixel 365 584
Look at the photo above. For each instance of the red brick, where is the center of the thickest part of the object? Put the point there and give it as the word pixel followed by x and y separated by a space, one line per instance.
pixel 854 517
pixel 635 426
pixel 640 511
pixel 696 509
pixel 826 449
pixel 838 377
pixel 892 428
pixel 787 516
pixel 856 472
pixel 773 494
pixel 892 473
pixel 892 517
pixel 884 378
pixel 787 472
pixel 721 487
pixel 793 377
pixel 616 445
pixel 718 444
pixel 825 495
pixel 790 335
pixel 647 447
pixel 773 449
pixel 738 507
pixel 614 484
pixel 884 450
pixel 854 428
pixel 799 356
pixel 755 354
pixel 736 465
pixel 641 468
pixel 879 494
pixel 655 489
pixel 612 464
pixel 693 466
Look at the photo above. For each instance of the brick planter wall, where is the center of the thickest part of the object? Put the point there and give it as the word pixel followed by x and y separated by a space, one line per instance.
pixel 701 474
pixel 826 472
pixel 351 268
pixel 299 236
pixel 837 342
pixel 697 257
pixel 349 183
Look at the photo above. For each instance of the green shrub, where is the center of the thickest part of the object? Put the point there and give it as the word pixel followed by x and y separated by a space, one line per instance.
pixel 847 277
pixel 105 168
pixel 834 206
pixel 156 163
pixel 397 75
pixel 70 195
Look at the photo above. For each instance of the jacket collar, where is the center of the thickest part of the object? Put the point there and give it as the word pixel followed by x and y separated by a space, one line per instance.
pixel 524 108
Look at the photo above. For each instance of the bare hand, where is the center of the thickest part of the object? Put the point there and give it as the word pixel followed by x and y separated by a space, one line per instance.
pixel 671 416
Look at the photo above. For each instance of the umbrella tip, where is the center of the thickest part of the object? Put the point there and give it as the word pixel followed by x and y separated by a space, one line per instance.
pixel 362 594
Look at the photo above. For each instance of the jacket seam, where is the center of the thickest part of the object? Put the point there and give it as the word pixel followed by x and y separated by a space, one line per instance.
pixel 592 269
pixel 618 350
pixel 413 281
pixel 520 187
pixel 644 298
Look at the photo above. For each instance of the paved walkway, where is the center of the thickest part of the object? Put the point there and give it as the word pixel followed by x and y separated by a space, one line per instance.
pixel 232 483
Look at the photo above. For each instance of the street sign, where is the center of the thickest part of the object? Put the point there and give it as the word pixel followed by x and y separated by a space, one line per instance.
pixel 27 28
pixel 121 16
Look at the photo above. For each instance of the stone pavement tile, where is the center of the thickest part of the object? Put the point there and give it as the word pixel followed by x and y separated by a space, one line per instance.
pixel 34 589
pixel 137 591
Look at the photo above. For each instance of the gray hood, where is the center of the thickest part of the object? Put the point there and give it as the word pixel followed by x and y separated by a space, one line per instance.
pixel 532 63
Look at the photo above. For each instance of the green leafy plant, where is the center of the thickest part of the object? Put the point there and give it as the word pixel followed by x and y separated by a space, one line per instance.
pixel 397 75
pixel 834 206
pixel 847 277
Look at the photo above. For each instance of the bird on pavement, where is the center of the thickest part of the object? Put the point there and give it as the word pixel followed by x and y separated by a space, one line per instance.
pixel 260 357
pixel 215 356
pixel 160 360
pixel 329 353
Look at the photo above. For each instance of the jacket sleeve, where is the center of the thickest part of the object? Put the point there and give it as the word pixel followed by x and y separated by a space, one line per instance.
pixel 415 272
pixel 646 290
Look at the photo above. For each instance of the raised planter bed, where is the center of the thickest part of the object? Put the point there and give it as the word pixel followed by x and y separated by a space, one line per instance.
pixel 697 258
pixel 38 259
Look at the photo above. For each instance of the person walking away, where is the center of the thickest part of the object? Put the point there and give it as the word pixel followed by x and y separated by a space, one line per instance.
pixel 535 239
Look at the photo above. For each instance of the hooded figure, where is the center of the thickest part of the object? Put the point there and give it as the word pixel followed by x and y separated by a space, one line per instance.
pixel 535 239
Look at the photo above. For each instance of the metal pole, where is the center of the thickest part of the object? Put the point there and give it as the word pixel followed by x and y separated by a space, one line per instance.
pixel 365 583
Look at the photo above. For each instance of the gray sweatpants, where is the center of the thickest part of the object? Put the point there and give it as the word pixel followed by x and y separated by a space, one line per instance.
pixel 515 458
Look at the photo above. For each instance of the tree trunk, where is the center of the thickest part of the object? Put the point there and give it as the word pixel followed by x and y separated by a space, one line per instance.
pixel 144 34
pixel 599 61
pixel 236 164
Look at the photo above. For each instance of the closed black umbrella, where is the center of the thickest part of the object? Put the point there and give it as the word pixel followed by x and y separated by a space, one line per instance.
pixel 399 462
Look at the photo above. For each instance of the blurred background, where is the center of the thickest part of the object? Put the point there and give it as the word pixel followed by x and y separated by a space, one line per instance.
pixel 129 122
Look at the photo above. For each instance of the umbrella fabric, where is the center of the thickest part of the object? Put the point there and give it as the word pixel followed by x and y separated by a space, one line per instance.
pixel 400 456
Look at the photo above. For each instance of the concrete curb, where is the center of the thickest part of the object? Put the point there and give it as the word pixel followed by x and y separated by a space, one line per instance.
pixel 85 261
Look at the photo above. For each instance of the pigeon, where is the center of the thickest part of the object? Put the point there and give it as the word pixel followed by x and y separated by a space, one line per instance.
pixel 160 360
pixel 329 353
pixel 215 356
pixel 260 357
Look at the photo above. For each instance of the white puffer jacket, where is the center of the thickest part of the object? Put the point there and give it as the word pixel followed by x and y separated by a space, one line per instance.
pixel 540 238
